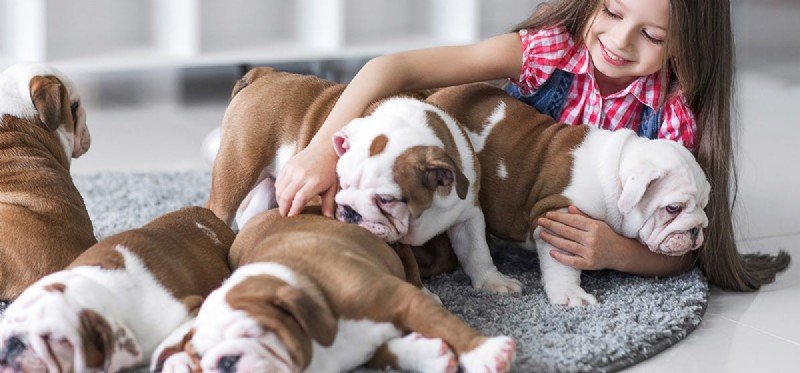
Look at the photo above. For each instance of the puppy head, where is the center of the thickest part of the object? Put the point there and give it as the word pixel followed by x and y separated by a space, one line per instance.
pixel 45 330
pixel 256 323
pixel 664 193
pixel 391 172
pixel 42 93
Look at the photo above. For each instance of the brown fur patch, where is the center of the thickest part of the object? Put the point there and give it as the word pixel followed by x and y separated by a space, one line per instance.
pixel 378 145
pixel 56 287
pixel 536 151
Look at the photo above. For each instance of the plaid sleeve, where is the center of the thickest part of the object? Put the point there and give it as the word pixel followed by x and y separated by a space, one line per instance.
pixel 542 52
pixel 678 122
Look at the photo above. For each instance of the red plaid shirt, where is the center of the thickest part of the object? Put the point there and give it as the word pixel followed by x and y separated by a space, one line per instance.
pixel 553 48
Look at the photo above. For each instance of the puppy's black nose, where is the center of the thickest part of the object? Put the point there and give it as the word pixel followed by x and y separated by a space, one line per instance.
pixel 228 363
pixel 11 350
pixel 350 216
pixel 694 233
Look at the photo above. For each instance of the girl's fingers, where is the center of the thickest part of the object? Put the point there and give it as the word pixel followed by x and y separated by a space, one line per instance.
pixel 301 197
pixel 329 201
pixel 561 228
pixel 574 210
pixel 285 197
pixel 574 220
pixel 564 244
pixel 570 260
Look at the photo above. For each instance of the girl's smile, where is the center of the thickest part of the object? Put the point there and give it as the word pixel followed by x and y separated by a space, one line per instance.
pixel 625 41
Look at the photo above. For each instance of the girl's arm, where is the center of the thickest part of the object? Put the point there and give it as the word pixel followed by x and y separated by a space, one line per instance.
pixel 594 245
pixel 312 171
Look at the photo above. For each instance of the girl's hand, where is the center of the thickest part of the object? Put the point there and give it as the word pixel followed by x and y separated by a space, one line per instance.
pixel 307 174
pixel 588 243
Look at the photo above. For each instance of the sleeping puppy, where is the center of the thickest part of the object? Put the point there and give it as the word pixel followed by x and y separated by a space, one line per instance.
pixel 650 190
pixel 312 294
pixel 406 170
pixel 117 301
pixel 44 224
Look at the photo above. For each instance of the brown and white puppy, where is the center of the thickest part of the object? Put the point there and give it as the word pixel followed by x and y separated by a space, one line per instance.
pixel 116 302
pixel 43 221
pixel 406 170
pixel 312 294
pixel 650 190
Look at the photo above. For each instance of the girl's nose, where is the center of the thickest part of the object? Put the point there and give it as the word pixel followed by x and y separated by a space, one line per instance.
pixel 622 36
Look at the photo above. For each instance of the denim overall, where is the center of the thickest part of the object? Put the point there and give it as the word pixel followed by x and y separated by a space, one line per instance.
pixel 551 97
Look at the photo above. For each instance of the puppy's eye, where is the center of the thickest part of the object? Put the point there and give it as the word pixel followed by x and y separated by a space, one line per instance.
pixel 74 107
pixel 385 200
pixel 674 209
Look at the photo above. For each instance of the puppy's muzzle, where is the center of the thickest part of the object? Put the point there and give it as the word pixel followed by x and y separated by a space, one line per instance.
pixel 13 348
pixel 227 364
pixel 694 233
pixel 348 215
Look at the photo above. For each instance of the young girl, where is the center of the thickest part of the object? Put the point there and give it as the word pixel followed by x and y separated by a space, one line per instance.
pixel 660 67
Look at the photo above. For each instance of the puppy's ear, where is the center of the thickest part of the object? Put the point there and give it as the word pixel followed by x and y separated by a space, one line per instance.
pixel 634 184
pixel 315 319
pixel 440 170
pixel 106 343
pixel 340 143
pixel 175 343
pixel 51 100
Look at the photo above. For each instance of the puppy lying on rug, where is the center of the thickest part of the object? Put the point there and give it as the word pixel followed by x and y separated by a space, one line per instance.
pixel 406 170
pixel 43 221
pixel 650 190
pixel 314 294
pixel 118 300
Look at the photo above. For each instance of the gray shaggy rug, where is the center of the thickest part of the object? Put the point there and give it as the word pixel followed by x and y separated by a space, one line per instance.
pixel 636 317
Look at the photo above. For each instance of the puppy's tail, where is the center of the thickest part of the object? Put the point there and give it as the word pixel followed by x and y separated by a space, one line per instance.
pixel 210 146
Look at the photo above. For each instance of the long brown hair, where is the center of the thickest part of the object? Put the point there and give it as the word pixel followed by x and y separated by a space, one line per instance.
pixel 699 54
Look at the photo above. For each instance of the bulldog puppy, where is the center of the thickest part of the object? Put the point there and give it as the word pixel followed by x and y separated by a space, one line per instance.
pixel 650 190
pixel 117 301
pixel 312 294
pixel 43 221
pixel 407 171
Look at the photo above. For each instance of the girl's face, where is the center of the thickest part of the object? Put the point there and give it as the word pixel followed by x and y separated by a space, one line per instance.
pixel 625 40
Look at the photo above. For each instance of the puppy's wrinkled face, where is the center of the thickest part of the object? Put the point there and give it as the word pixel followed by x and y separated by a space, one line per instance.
pixel 667 192
pixel 228 340
pixel 41 91
pixel 390 173
pixel 45 330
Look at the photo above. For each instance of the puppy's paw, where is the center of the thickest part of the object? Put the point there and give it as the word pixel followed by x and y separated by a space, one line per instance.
pixel 497 282
pixel 419 354
pixel 178 363
pixel 494 355
pixel 570 296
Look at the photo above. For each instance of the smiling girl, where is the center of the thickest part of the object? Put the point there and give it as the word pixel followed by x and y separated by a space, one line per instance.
pixel 663 68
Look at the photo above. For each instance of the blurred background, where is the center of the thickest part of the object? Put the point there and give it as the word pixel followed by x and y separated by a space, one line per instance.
pixel 156 77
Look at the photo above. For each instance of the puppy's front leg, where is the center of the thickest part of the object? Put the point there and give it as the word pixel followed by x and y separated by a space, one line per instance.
pixel 562 283
pixel 469 244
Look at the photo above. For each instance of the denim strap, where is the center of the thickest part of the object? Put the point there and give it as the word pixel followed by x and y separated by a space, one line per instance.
pixel 550 97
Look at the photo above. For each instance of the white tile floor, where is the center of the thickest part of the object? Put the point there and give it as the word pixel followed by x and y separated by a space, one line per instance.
pixel 147 128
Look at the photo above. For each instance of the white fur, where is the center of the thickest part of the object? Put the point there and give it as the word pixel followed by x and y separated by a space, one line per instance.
pixel 222 331
pixel 15 100
pixel 419 354
pixel 38 312
pixel 363 176
pixel 502 171
pixel 494 355
pixel 599 163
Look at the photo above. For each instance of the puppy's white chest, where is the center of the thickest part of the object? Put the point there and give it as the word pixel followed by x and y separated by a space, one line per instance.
pixel 354 345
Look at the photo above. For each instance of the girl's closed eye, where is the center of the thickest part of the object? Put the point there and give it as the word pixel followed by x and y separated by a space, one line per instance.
pixel 652 39
pixel 609 13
